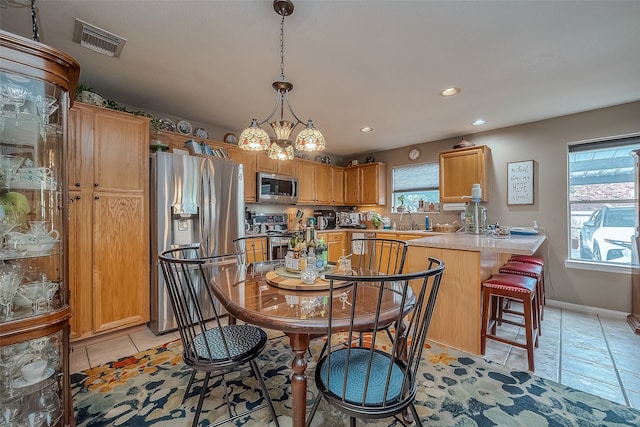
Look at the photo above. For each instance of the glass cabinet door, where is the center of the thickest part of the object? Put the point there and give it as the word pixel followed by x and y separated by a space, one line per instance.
pixel 31 187
pixel 30 382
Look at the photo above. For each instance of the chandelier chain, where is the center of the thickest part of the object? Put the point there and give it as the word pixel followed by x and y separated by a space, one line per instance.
pixel 282 49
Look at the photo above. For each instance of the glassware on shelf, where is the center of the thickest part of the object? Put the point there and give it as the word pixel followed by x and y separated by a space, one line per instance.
pixel 46 106
pixel 15 95
pixel 10 277
pixel 49 402
pixel 6 371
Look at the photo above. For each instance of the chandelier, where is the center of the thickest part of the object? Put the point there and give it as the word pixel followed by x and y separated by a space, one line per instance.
pixel 254 138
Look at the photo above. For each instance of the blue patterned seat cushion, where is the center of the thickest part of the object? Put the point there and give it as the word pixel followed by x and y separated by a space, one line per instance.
pixel 240 339
pixel 359 362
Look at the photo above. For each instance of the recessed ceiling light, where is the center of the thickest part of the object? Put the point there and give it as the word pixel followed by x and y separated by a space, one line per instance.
pixel 450 91
pixel 479 122
pixel 366 129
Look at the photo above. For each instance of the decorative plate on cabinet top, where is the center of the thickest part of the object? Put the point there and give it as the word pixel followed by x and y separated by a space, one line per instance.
pixel 184 127
pixel 201 133
pixel 166 124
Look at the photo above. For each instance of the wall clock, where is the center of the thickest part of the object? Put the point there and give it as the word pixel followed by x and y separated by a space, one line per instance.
pixel 414 154
pixel 231 138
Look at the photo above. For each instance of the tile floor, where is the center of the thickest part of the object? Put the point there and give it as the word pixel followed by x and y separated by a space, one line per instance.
pixel 592 352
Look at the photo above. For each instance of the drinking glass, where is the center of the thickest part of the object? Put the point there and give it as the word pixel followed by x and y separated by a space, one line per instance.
pixel 49 290
pixel 33 293
pixel 46 105
pixel 49 402
pixel 9 281
pixel 15 95
pixel 6 371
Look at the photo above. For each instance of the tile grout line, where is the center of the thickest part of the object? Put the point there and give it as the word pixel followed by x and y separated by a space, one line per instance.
pixel 560 342
pixel 615 366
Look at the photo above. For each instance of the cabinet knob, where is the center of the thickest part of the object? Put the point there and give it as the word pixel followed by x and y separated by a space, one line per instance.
pixel 77 184
pixel 97 197
pixel 78 197
pixel 96 184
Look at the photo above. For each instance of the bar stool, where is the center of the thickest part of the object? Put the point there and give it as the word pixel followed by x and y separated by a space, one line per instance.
pixel 517 288
pixel 538 261
pixel 530 270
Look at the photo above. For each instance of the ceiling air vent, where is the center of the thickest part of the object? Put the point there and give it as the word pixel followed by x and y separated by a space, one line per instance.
pixel 97 39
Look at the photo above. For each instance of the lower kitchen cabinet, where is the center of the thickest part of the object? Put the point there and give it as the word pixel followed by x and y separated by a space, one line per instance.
pixel 336 242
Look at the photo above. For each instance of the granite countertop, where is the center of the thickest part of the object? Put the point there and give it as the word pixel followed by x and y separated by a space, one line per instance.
pixel 517 245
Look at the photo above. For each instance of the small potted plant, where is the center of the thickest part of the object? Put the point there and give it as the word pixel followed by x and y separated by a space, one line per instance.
pixel 401 207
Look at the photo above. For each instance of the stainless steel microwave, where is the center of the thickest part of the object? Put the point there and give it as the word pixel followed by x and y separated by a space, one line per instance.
pixel 273 188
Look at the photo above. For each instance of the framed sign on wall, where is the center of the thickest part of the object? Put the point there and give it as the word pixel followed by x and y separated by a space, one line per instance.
pixel 520 183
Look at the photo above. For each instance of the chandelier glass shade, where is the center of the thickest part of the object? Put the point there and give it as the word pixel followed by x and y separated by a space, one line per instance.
pixel 254 138
pixel 281 150
pixel 310 139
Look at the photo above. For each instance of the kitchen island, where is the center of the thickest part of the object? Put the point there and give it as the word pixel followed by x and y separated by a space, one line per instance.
pixel 469 260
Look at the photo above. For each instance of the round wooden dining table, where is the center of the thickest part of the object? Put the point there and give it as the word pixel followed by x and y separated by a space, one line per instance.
pixel 250 293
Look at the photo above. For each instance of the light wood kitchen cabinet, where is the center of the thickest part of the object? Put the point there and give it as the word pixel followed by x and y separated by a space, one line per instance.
pixel 323 178
pixel 336 242
pixel 337 186
pixel 306 172
pixel 248 160
pixel 366 184
pixel 279 167
pixel 460 169
pixel 314 183
pixel 109 169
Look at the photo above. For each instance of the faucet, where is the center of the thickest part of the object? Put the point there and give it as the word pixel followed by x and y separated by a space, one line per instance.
pixel 413 225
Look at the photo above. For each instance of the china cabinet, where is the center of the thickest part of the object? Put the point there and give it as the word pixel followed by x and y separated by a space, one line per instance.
pixel 35 82
pixel 108 171
pixel 459 170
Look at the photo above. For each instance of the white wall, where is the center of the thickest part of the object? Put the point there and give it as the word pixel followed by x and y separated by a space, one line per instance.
pixel 544 142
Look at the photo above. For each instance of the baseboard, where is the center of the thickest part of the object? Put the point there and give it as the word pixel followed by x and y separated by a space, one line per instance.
pixel 587 309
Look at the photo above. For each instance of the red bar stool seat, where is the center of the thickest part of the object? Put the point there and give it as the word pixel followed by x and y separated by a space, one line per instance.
pixel 518 288
pixel 530 270
pixel 528 259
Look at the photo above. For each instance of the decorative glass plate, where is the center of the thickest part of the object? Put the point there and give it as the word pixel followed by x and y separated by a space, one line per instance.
pixel 184 127
pixel 201 133
pixel 166 124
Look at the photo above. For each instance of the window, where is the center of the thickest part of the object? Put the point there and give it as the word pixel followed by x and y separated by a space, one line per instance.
pixel 415 183
pixel 602 204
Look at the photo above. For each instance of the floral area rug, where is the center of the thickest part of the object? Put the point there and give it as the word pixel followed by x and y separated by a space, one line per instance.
pixel 455 389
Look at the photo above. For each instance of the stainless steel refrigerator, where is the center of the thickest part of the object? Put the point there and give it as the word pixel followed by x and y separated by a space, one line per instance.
pixel 195 201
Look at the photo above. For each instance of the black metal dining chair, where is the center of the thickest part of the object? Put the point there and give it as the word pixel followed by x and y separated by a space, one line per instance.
pixel 382 256
pixel 377 381
pixel 208 345
pixel 379 254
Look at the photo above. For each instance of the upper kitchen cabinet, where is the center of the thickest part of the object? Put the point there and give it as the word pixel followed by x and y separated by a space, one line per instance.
pixel 279 167
pixel 108 187
pixel 460 169
pixel 314 183
pixel 248 160
pixel 35 83
pixel 365 184
pixel 337 186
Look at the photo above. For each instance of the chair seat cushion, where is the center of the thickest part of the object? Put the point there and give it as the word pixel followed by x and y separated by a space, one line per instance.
pixel 511 282
pixel 358 365
pixel 241 339
pixel 527 259
pixel 530 270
